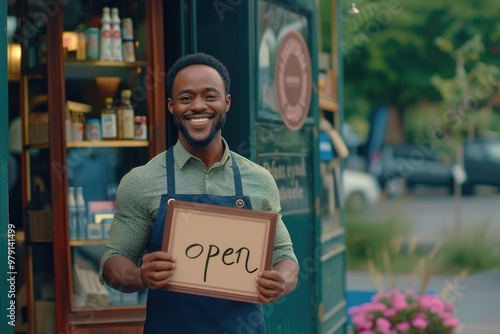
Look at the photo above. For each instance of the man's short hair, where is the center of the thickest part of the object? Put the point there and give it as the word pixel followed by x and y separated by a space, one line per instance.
pixel 199 58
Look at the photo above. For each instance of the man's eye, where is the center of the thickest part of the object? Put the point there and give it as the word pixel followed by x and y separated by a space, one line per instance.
pixel 185 98
pixel 211 97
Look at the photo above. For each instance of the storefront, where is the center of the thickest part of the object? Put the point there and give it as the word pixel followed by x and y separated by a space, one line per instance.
pixel 271 51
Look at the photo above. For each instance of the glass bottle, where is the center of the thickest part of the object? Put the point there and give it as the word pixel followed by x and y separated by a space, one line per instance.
pixel 73 216
pixel 81 210
pixel 109 120
pixel 127 113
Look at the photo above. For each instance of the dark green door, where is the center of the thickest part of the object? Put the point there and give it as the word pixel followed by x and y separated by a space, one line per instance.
pixel 246 35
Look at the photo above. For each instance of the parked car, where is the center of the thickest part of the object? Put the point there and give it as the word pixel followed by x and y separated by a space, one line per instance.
pixel 417 165
pixel 482 164
pixel 360 189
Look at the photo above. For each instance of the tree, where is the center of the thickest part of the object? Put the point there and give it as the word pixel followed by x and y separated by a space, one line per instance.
pixel 389 53
pixel 466 96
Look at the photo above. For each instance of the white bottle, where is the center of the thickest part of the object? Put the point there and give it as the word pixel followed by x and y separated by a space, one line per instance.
pixel 105 42
pixel 116 36
pixel 73 216
pixel 81 209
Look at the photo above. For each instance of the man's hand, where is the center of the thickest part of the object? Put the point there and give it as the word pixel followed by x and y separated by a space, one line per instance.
pixel 278 282
pixel 156 269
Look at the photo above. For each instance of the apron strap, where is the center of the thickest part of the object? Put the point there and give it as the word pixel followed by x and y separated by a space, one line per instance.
pixel 170 171
pixel 171 174
pixel 237 178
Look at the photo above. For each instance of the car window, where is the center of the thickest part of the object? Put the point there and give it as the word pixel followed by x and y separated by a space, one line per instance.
pixel 493 151
pixel 473 152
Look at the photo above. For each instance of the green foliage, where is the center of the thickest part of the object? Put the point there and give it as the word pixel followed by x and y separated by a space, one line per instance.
pixel 382 244
pixel 465 95
pixel 477 248
pixel 390 52
pixel 368 236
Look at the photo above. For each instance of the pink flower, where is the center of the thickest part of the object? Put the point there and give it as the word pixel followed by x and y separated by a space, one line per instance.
pixel 379 297
pixel 451 322
pixel 425 301
pixel 420 321
pixel 399 302
pixel 449 307
pixel 390 312
pixel 403 326
pixel 437 306
pixel 367 332
pixel 353 310
pixel 373 307
pixel 383 325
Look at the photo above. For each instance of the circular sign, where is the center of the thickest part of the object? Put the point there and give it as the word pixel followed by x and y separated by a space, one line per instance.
pixel 293 79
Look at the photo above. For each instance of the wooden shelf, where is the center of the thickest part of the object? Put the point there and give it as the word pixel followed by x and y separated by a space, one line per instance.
pixel 96 68
pixel 76 243
pixel 109 143
pixel 100 63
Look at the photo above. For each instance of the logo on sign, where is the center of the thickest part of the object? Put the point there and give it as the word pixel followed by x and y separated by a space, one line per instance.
pixel 293 79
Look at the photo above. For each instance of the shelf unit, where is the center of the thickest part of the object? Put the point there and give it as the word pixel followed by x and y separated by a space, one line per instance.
pixel 61 79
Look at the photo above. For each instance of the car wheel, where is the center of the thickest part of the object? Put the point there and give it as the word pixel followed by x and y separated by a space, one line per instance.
pixel 395 187
pixel 356 201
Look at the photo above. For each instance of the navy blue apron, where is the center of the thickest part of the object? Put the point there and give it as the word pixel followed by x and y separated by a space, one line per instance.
pixel 174 312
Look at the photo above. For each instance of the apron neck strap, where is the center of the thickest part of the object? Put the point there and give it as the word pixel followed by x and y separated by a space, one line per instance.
pixel 171 174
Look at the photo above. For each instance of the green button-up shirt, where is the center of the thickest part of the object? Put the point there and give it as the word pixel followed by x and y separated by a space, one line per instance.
pixel 139 192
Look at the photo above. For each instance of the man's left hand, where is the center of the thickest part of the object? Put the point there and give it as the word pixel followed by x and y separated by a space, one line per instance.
pixel 274 284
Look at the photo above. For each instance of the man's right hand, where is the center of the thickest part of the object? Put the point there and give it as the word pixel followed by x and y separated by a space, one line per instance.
pixel 156 269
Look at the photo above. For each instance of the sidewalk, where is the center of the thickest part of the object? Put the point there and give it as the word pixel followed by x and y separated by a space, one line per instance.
pixel 476 297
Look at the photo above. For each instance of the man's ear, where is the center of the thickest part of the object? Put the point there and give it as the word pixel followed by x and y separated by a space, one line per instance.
pixel 228 102
pixel 170 105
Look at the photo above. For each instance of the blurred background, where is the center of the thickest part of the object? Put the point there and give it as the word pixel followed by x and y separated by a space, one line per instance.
pixel 422 118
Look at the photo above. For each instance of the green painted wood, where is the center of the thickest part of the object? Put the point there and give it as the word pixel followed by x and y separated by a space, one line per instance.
pixel 7 319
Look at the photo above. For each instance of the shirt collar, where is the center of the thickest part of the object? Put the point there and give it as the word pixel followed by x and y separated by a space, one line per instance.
pixel 182 156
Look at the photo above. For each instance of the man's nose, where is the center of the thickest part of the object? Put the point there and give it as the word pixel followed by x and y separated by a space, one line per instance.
pixel 198 104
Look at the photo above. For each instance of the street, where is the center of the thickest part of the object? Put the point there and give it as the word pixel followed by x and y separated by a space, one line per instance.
pixel 432 211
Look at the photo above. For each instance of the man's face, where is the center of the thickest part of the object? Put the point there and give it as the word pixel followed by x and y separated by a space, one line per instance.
pixel 199 104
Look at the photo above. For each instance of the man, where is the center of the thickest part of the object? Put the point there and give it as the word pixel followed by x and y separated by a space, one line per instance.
pixel 200 167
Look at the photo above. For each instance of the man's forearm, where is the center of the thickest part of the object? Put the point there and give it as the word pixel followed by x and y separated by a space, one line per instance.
pixel 122 274
pixel 289 270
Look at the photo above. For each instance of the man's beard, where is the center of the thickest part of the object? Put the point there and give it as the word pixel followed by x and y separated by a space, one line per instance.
pixel 201 143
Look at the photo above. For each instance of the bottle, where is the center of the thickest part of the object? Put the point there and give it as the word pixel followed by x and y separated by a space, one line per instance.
pixel 93 43
pixel 108 120
pixel 128 40
pixel 127 113
pixel 93 129
pixel 81 210
pixel 116 36
pixel 105 45
pixel 141 128
pixel 73 216
pixel 77 127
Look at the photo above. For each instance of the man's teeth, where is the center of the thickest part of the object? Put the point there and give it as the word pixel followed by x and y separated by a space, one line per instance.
pixel 199 120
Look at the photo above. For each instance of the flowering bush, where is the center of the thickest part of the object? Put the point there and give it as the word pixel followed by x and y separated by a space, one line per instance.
pixel 399 312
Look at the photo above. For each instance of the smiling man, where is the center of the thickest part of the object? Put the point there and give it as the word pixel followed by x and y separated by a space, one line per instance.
pixel 199 167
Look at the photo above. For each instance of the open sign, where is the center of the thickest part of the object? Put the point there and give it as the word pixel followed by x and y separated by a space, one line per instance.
pixel 219 250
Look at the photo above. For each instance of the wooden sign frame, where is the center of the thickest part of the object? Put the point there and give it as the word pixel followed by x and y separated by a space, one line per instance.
pixel 219 250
